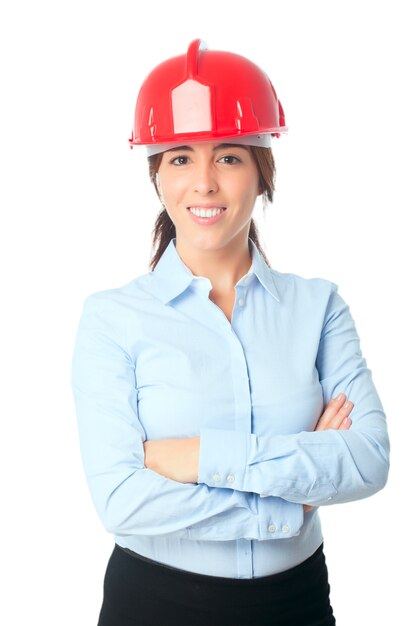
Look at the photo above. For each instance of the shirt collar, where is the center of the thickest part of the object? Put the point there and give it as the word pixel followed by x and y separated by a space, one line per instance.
pixel 171 276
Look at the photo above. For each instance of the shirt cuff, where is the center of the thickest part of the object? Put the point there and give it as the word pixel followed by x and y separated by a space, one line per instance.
pixel 223 458
pixel 279 519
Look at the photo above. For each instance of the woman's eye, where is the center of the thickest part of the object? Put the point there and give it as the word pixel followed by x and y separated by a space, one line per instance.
pixel 229 159
pixel 179 160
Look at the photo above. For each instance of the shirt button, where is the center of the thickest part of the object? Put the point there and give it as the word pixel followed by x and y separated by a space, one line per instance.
pixel 230 478
pixel 241 302
pixel 272 528
pixel 216 477
pixel 285 528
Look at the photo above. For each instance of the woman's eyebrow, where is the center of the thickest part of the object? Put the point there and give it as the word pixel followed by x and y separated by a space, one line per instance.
pixel 182 148
pixel 219 147
pixel 230 145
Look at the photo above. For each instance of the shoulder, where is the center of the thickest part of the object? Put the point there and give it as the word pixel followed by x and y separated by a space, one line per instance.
pixel 312 298
pixel 134 289
pixel 307 297
pixel 290 285
pixel 114 306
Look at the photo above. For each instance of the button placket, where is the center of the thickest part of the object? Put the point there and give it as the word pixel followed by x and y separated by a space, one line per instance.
pixel 241 289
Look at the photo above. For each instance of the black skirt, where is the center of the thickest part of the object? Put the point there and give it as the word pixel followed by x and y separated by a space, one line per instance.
pixel 142 592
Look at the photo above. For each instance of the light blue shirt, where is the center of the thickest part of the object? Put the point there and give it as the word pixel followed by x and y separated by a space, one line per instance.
pixel 157 359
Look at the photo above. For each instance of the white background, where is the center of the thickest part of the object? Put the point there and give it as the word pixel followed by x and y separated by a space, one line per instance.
pixel 77 212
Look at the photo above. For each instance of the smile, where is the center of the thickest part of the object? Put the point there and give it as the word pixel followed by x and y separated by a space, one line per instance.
pixel 206 212
pixel 206 215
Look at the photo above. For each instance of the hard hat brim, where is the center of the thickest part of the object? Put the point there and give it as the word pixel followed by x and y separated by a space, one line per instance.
pixel 262 140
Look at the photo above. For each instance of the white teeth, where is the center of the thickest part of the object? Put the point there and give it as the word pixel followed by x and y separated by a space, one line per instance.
pixel 205 212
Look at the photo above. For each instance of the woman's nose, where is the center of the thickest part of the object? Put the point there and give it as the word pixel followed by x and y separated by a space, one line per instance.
pixel 205 181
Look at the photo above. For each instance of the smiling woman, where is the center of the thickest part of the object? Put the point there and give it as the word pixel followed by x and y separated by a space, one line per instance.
pixel 211 178
pixel 209 192
pixel 265 166
pixel 211 392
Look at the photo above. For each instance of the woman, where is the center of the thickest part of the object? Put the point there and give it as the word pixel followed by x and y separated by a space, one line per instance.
pixel 219 402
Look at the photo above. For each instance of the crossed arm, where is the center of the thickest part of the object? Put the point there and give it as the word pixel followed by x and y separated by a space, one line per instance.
pixel 256 478
pixel 178 459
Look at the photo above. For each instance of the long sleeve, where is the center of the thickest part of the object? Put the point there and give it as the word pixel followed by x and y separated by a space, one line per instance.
pixel 316 468
pixel 129 498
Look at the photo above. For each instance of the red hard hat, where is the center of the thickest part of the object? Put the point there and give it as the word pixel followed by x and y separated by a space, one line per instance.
pixel 205 95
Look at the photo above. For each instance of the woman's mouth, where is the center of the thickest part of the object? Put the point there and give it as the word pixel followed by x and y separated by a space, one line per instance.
pixel 206 215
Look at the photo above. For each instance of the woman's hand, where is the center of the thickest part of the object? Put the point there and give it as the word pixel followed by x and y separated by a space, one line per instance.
pixel 174 458
pixel 334 417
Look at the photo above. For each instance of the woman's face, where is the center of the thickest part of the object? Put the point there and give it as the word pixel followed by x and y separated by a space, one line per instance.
pixel 209 175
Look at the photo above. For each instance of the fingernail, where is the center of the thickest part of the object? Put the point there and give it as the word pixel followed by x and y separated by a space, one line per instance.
pixel 346 404
pixel 339 397
pixel 346 420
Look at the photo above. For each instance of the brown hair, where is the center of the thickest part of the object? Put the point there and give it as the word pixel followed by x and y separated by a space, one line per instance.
pixel 164 228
